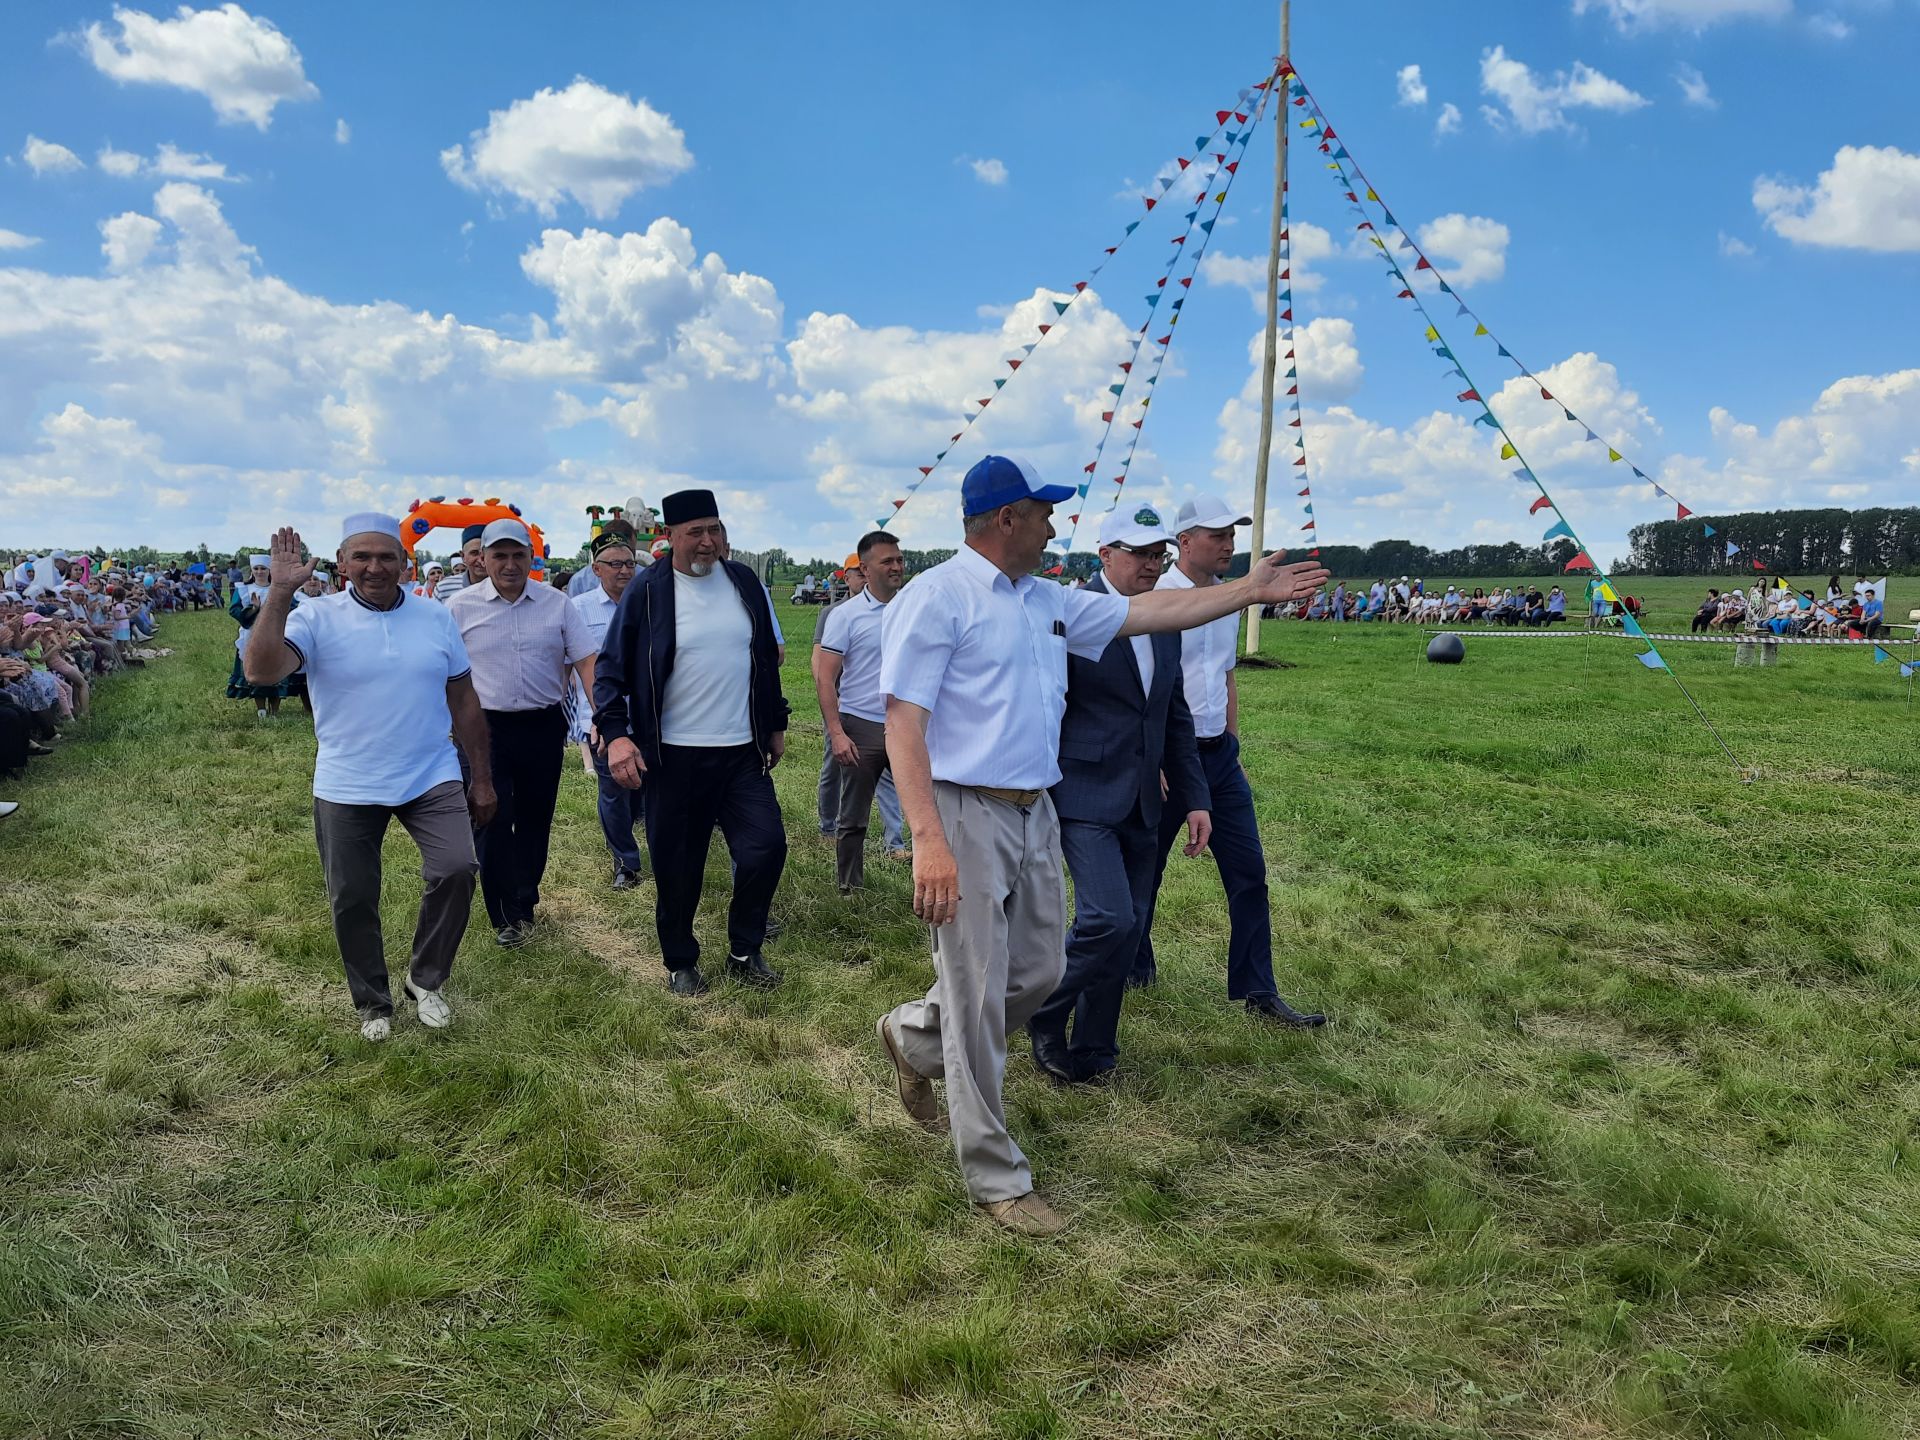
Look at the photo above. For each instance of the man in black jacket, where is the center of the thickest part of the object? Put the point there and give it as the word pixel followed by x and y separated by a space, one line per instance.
pixel 687 697
pixel 1126 723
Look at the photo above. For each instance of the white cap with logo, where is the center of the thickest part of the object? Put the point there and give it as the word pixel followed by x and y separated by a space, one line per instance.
pixel 504 529
pixel 1134 526
pixel 1208 512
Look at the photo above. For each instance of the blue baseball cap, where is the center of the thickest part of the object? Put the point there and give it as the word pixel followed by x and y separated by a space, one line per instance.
pixel 996 481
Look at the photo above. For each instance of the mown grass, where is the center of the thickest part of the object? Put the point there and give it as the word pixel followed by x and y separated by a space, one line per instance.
pixel 1614 1133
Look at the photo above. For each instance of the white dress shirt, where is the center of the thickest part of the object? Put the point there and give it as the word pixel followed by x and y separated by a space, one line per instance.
pixel 378 683
pixel 1207 653
pixel 521 649
pixel 851 630
pixel 1143 657
pixel 987 658
pixel 596 608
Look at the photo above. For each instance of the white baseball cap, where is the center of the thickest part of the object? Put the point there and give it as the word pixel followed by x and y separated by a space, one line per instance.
pixel 1207 512
pixel 505 530
pixel 1134 526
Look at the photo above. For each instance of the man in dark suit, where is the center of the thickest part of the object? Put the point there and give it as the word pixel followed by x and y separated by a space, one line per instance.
pixel 1126 720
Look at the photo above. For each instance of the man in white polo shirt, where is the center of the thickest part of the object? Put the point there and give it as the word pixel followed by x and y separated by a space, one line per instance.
pixel 614 562
pixel 974 668
pixel 846 677
pixel 523 639
pixel 385 673
pixel 1208 655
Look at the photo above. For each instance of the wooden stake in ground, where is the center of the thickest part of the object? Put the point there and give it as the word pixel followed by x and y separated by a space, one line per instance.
pixel 1273 314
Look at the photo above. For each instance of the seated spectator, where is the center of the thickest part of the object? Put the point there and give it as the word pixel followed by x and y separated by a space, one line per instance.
pixel 1709 609
pixel 1533 611
pixel 1556 605
pixel 1317 606
pixel 1872 615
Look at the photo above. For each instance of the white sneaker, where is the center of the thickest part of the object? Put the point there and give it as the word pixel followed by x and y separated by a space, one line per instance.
pixel 435 1013
pixel 376 1028
pixel 7 807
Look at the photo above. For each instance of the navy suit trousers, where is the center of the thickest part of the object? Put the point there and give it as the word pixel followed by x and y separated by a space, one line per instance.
pixel 1113 869
pixel 1243 872
pixel 619 809
pixel 691 791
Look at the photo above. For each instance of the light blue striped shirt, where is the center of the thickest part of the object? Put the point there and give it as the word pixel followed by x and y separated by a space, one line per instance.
pixel 987 657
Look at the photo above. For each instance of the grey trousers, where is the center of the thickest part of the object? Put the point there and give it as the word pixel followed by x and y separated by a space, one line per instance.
pixel 350 837
pixel 857 782
pixel 993 967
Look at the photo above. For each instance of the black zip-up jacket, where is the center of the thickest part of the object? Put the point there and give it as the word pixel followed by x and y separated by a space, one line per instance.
pixel 636 661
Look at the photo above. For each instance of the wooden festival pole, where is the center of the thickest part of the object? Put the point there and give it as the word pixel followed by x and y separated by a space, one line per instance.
pixel 1273 313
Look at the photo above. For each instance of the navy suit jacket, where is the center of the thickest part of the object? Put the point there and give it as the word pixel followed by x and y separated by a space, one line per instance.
pixel 1115 739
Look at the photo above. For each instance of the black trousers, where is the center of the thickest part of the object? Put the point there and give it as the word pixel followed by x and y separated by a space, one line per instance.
pixel 528 749
pixel 693 789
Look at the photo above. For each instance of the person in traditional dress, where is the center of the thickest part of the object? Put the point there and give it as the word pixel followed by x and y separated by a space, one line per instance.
pixel 244 607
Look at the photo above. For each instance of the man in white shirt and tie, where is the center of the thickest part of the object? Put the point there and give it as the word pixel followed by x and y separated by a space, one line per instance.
pixel 974 668
pixel 1205 526
pixel 523 639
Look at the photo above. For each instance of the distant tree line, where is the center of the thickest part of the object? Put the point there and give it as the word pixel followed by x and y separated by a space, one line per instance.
pixel 1881 541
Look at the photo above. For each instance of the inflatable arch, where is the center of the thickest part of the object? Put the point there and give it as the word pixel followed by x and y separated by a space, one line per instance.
pixel 440 513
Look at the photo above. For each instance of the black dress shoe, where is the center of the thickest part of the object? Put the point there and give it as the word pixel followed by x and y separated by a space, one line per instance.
pixel 625 879
pixel 775 929
pixel 753 970
pixel 1143 979
pixel 1052 1058
pixel 512 937
pixel 1275 1010
pixel 688 981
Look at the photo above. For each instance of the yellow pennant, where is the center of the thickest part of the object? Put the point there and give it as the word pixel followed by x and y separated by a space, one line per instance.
pixel 1432 334
pixel 1308 123
pixel 1372 196
pixel 1221 198
pixel 1506 452
pixel 1378 241
pixel 1479 329
pixel 1613 454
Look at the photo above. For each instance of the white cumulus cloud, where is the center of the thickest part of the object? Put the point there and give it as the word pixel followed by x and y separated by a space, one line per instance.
pixel 342 132
pixel 243 64
pixel 1693 88
pixel 1310 246
pixel 1536 103
pixel 1413 90
pixel 1470 248
pixel 989 171
pixel 1448 120
pixel 583 143
pixel 14 240
pixel 1629 15
pixel 44 157
pixel 1869 199
pixel 121 164
pixel 1733 247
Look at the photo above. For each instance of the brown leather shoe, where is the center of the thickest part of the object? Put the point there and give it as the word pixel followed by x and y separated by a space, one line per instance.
pixel 916 1091
pixel 1025 1214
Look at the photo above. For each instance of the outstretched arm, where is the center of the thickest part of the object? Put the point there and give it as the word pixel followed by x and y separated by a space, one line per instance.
pixel 1270 582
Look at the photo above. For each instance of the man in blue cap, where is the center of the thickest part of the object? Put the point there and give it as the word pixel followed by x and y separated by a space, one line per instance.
pixel 974 670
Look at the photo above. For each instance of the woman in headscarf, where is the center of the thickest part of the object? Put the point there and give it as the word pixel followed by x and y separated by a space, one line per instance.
pixel 245 609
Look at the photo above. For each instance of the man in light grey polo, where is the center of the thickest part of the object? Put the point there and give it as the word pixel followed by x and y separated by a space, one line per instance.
pixel 974 668
pixel 386 671
pixel 523 640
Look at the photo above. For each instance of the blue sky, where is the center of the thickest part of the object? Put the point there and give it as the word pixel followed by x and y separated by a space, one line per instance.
pixel 246 277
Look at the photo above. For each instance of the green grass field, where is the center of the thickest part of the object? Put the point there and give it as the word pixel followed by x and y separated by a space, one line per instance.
pixel 1615 1132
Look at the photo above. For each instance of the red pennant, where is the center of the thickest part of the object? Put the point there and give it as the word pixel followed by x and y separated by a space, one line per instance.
pixel 1423 265
pixel 1143 420
pixel 898 503
pixel 1545 394
pixel 1220 116
pixel 1073 519
pixel 1289 354
pixel 1404 295
pixel 1126 367
pixel 1301 461
pixel 1579 562
pixel 1179 239
pixel 1164 340
pixel 1106 417
pixel 1307 526
pixel 983 403
pixel 1184 162
pixel 1684 512
pixel 1469 395
pixel 1232 166
pixel 1327 130
pixel 1013 364
pixel 1161 283
pixel 1045 328
pixel 1150 201
pixel 1113 249
pixel 1293 390
pixel 1364 225
pixel 926 469
pixel 1293 424
pixel 1078 286
pixel 1239 117
pixel 952 438
pixel 1353 197
pixel 1186 283
pixel 1119 479
pixel 1307 491
pixel 1287 274
pixel 1537 506
pixel 1089 467
pixel 1758 566
pixel 1286 315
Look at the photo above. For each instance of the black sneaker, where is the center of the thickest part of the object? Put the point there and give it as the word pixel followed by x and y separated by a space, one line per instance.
pixel 688 981
pixel 753 970
pixel 512 937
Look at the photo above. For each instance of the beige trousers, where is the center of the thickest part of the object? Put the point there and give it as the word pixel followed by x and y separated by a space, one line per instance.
pixel 993 967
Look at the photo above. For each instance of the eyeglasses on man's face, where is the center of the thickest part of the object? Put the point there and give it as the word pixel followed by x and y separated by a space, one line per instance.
pixel 617 564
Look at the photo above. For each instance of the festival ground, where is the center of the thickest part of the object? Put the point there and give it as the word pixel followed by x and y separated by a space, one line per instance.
pixel 1613 1132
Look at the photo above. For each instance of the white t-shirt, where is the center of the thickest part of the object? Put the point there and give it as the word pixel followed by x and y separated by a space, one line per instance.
pixel 1207 653
pixel 378 683
pixel 852 631
pixel 709 693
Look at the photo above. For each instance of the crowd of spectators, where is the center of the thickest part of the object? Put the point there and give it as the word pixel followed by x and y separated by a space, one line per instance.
pixel 67 622
pixel 1408 602
pixel 1859 614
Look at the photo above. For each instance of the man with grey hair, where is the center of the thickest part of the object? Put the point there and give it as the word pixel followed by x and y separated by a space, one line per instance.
pixel 387 674
pixel 974 670
pixel 523 640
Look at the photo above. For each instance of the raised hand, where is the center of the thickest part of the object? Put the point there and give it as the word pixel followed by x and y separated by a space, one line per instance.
pixel 1276 583
pixel 286 569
